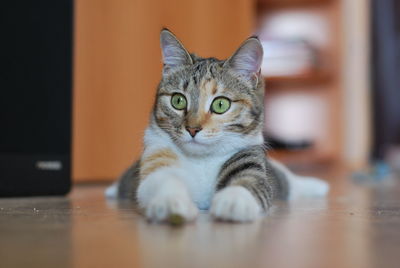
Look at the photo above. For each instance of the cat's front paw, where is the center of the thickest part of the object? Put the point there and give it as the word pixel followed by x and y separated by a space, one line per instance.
pixel 165 208
pixel 235 203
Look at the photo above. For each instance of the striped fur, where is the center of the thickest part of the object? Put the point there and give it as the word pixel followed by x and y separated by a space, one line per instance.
pixel 248 168
pixel 157 160
pixel 223 166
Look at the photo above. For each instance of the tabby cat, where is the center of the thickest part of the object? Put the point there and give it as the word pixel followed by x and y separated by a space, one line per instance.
pixel 204 147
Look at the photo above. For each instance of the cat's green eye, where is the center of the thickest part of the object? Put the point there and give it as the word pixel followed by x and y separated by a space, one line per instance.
pixel 178 101
pixel 220 105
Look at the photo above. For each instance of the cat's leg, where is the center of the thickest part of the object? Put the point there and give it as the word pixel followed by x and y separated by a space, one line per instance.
pixel 243 190
pixel 162 192
pixel 126 186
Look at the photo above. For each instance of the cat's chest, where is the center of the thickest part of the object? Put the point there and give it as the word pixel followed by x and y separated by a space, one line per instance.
pixel 201 178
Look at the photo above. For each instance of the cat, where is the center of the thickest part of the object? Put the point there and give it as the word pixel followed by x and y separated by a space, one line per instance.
pixel 204 147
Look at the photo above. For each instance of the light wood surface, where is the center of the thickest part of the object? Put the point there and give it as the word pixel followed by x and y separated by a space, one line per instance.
pixel 117 66
pixel 357 226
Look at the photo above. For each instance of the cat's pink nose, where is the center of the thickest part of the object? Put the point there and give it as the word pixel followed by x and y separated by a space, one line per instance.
pixel 193 130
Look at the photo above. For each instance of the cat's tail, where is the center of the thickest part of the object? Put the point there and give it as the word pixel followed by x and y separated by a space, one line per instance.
pixel 300 186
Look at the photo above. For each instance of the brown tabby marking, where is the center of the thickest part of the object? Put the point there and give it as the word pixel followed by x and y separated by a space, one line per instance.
pixel 245 102
pixel 205 117
pixel 159 159
pixel 210 86
pixel 207 86
pixel 214 91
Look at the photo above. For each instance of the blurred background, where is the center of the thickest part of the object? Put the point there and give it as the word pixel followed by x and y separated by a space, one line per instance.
pixel 330 68
pixel 316 68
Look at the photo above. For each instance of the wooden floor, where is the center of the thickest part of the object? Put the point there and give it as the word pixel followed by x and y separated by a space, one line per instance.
pixel 357 226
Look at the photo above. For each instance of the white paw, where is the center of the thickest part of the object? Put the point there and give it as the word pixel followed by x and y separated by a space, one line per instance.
pixel 165 198
pixel 163 206
pixel 235 203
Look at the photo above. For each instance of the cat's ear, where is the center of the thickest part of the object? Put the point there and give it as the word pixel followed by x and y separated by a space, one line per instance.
pixel 246 61
pixel 173 52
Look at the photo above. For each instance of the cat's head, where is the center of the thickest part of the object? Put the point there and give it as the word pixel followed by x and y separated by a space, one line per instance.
pixel 207 105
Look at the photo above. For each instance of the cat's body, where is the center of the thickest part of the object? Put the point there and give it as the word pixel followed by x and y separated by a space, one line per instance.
pixel 204 147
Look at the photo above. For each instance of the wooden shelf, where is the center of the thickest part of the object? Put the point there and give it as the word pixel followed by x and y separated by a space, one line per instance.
pixel 320 80
pixel 302 156
pixel 290 3
pixel 309 78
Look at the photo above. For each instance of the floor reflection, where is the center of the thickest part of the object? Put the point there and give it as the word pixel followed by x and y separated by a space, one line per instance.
pixel 35 232
pixel 356 226
pixel 201 244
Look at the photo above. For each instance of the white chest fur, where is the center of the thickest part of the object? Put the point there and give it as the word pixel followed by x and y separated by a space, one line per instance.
pixel 199 173
pixel 201 177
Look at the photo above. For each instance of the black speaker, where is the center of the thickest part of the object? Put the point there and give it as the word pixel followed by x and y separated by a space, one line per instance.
pixel 35 97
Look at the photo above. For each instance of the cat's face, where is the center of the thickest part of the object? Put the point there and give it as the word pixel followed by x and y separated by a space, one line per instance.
pixel 207 104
